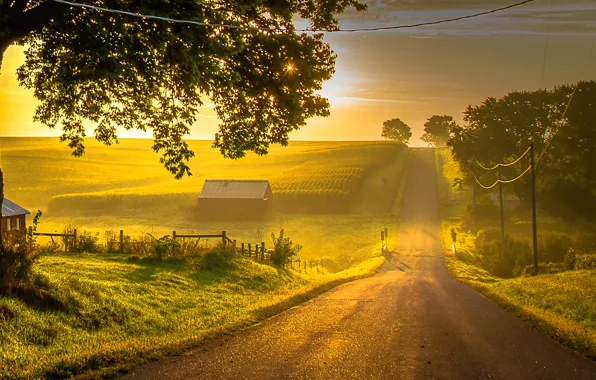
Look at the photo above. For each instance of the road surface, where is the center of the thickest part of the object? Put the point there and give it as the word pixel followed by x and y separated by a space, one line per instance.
pixel 410 321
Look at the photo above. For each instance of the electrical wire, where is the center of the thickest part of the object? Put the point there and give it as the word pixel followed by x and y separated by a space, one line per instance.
pixel 501 164
pixel 502 181
pixel 229 26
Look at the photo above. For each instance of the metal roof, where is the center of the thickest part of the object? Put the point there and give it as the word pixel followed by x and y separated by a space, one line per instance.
pixel 234 189
pixel 12 209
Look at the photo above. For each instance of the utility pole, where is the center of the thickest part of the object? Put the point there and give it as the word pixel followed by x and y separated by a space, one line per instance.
pixel 534 233
pixel 502 213
pixel 474 189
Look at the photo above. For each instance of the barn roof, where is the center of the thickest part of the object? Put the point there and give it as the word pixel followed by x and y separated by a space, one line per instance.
pixel 234 189
pixel 12 209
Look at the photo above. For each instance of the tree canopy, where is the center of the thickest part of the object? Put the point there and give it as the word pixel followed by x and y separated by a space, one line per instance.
pixel 397 130
pixel 499 130
pixel 112 70
pixel 437 129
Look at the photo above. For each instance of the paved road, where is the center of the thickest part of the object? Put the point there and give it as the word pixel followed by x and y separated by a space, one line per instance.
pixel 410 321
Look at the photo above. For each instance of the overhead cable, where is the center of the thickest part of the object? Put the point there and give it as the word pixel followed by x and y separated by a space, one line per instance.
pixel 230 26
pixel 501 180
pixel 501 164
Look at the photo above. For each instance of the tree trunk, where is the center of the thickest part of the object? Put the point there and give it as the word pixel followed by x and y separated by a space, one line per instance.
pixel 4 44
pixel 1 200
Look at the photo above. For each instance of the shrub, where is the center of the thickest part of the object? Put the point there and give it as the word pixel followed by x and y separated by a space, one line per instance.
pixel 570 259
pixel 283 248
pixel 544 268
pixel 554 247
pixel 165 247
pixel 585 261
pixel 85 242
pixel 17 256
pixel 218 258
pixel 487 235
pixel 112 241
pixel 516 256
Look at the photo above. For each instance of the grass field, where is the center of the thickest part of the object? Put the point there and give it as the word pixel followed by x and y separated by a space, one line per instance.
pixel 110 313
pixel 125 187
pixel 561 305
pixel 104 313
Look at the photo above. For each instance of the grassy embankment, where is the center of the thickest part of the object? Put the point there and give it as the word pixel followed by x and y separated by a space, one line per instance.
pixel 109 313
pixel 562 305
pixel 125 187
pixel 106 312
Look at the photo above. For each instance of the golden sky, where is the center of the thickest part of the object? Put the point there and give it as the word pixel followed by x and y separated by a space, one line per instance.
pixel 411 74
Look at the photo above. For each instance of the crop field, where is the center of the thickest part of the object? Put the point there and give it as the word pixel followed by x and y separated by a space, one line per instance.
pixel 331 197
pixel 559 304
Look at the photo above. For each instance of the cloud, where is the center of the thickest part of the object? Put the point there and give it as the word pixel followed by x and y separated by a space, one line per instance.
pixel 563 16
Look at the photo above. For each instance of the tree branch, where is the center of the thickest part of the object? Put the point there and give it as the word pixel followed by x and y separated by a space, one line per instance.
pixel 25 23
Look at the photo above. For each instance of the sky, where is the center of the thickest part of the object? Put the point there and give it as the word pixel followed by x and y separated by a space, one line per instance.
pixel 411 74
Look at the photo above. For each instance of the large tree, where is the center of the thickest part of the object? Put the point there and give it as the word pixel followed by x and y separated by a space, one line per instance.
pixel 115 70
pixel 396 130
pixel 564 118
pixel 437 129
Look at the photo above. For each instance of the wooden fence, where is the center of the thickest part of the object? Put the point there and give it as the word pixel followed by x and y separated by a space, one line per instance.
pixel 259 253
pixel 69 240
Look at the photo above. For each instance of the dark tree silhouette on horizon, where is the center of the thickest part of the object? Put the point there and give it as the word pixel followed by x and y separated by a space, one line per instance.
pixel 397 130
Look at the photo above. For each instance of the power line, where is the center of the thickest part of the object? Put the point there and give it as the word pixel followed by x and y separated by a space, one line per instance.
pixel 502 181
pixel 444 21
pixel 501 164
pixel 229 26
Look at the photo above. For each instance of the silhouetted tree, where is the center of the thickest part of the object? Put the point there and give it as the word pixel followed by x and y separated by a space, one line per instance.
pixel 397 130
pixel 499 130
pixel 437 129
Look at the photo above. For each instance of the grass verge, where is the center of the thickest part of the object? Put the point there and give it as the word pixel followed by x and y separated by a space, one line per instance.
pixel 115 313
pixel 561 305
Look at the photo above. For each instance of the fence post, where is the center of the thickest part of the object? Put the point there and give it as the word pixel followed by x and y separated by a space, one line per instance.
pixel 173 235
pixel 234 242
pixel 262 251
pixel 249 250
pixel 305 271
pixel 74 238
pixel 223 238
pixel 242 249
pixel 121 241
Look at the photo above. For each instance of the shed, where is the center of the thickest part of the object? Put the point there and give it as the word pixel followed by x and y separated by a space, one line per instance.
pixel 235 198
pixel 13 217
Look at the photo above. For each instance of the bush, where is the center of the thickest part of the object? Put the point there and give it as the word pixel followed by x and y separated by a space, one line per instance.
pixel 85 242
pixel 585 261
pixel 570 259
pixel 487 235
pixel 112 241
pixel 165 247
pixel 553 247
pixel 283 249
pixel 576 259
pixel 516 256
pixel 219 257
pixel 544 268
pixel 17 256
